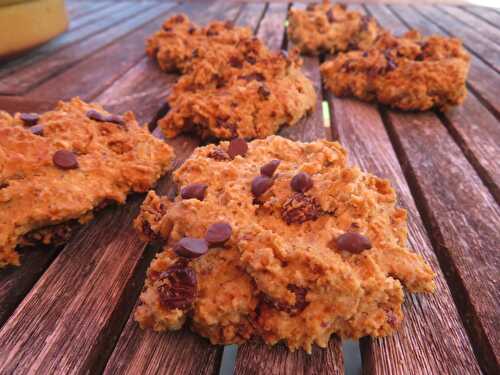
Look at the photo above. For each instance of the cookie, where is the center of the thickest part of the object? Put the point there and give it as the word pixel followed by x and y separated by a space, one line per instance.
pixel 330 28
pixel 280 240
pixel 239 91
pixel 180 41
pixel 58 167
pixel 409 72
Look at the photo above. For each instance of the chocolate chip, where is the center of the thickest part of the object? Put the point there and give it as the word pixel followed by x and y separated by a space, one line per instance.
pixel 29 119
pixel 269 168
pixel 191 30
pixel 300 208
pixel 237 146
pixel 190 247
pixel 65 159
pixel 3 185
pixel 218 154
pixel 264 92
pixel 167 28
pixel 260 185
pixel 353 242
pixel 100 117
pixel 301 182
pixel 235 62
pixel 178 18
pixel 330 16
pixel 218 233
pixel 251 59
pixel 194 191
pixel 178 290
pixel 115 119
pixel 37 130
pixel 211 32
pixel 255 76
pixel 299 305
pixel 96 116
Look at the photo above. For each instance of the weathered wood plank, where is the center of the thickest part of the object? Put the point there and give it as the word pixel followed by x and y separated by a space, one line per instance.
pixel 416 348
pixel 91 76
pixel 31 75
pixel 463 220
pixel 485 49
pixel 473 22
pixel 485 13
pixel 251 14
pixel 256 357
pixel 101 22
pixel 482 78
pixel 274 18
pixel 473 127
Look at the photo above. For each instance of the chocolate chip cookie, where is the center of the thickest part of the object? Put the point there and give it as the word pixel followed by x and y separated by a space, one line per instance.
pixel 56 168
pixel 330 28
pixel 409 72
pixel 280 240
pixel 239 91
pixel 180 41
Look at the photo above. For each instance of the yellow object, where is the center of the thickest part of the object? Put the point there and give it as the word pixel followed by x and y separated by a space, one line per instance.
pixel 27 24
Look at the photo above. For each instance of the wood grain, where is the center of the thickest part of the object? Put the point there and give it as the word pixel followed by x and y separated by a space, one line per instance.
pixel 489 15
pixel 483 80
pixel 97 23
pixel 275 16
pixel 93 75
pixel 31 75
pixel 483 48
pixel 478 25
pixel 251 15
pixel 258 358
pixel 463 219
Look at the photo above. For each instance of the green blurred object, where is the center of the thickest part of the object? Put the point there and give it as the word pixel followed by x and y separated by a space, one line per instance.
pixel 25 24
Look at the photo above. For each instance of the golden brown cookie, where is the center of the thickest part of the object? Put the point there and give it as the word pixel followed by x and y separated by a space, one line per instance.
pixel 180 41
pixel 409 72
pixel 239 91
pixel 330 28
pixel 281 240
pixel 56 168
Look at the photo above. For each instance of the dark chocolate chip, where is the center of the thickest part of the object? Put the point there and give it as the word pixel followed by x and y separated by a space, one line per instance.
pixel 96 116
pixel 115 119
pixel 178 290
pixel 269 168
pixel 235 62
pixel 330 16
pixel 29 119
pixel 65 159
pixel 255 76
pixel 218 233
pixel 191 30
pixel 353 242
pixel 300 208
pixel 251 59
pixel 37 130
pixel 194 191
pixel 167 28
pixel 264 92
pixel 260 185
pixel 301 182
pixel 190 247
pixel 211 32
pixel 237 146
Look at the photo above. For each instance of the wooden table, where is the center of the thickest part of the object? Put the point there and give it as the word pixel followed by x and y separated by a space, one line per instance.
pixel 69 309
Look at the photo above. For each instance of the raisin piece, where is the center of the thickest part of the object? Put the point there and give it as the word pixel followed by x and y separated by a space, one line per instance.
pixel 219 155
pixel 300 208
pixel 178 288
pixel 299 305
